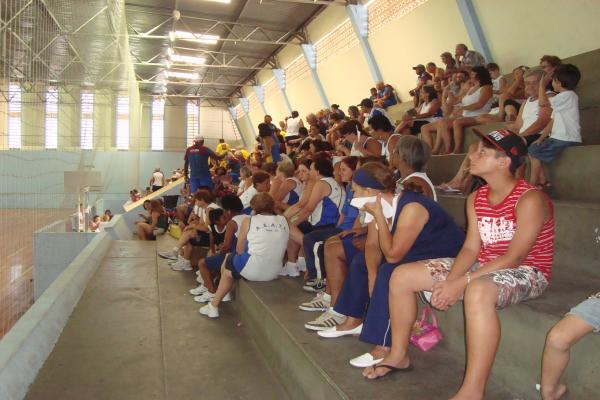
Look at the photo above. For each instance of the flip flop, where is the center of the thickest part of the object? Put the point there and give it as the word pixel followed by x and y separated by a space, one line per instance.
pixel 392 369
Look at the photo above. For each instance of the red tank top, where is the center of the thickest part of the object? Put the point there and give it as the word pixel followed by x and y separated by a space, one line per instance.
pixel 498 224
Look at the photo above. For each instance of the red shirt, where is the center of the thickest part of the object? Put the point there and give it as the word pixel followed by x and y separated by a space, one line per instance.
pixel 498 224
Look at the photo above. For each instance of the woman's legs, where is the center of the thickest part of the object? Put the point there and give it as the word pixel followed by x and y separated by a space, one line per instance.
pixel 225 285
pixel 555 359
pixel 406 280
pixel 444 138
pixel 462 176
pixel 206 276
pixel 458 127
pixel 144 231
pixel 335 267
pixel 427 131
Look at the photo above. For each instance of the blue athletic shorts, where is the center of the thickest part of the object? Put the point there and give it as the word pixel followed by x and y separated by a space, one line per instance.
pixel 214 262
pixel 197 183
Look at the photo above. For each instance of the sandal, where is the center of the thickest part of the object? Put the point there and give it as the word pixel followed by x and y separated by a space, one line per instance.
pixel 392 369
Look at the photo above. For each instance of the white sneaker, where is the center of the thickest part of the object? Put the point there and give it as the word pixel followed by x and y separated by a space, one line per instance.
pixel 208 296
pixel 290 269
pixel 328 320
pixel 209 310
pixel 199 279
pixel 204 297
pixel 182 265
pixel 301 261
pixel 197 291
pixel 179 258
pixel 320 302
pixel 170 254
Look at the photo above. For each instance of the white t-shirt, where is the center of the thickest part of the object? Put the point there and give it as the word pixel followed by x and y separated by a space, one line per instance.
pixel 293 124
pixel 565 114
pixel 247 196
pixel 202 213
pixel 531 111
pixel 158 179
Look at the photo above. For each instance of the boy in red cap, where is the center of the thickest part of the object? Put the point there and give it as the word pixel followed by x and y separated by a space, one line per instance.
pixel 506 258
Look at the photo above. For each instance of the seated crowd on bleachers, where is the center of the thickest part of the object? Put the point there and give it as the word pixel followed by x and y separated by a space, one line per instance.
pixel 342 200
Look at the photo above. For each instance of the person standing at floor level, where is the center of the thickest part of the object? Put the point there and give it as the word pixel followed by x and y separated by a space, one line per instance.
pixel 196 158
pixel 158 179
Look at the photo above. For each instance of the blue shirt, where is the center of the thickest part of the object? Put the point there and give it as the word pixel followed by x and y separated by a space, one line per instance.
pixel 196 157
pixel 350 212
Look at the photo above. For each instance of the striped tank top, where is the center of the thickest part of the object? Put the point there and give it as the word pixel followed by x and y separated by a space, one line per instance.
pixel 498 224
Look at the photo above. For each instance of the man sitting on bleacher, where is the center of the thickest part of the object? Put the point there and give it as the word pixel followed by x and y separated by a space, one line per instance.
pixel 506 259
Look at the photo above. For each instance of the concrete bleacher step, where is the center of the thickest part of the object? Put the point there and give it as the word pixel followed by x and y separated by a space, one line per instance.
pixel 573 174
pixel 524 327
pixel 313 368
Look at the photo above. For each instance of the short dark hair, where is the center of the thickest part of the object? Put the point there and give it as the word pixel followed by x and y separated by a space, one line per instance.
pixel 320 145
pixel 260 177
pixel 493 67
pixel 270 168
pixel 554 61
pixel 302 131
pixel 367 103
pixel 221 140
pixel 430 90
pixel 231 202
pixel 323 166
pixel 380 123
pixel 335 117
pixel 568 75
pixel 215 214
pixel 482 75
pixel 295 114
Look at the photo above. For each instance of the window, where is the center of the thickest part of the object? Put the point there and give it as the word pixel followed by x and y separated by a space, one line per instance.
pixel 87 121
pixel 51 123
pixel 193 112
pixel 158 124
pixel 122 123
pixel 14 116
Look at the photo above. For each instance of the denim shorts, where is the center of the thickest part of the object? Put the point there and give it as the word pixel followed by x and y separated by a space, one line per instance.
pixel 589 311
pixel 549 149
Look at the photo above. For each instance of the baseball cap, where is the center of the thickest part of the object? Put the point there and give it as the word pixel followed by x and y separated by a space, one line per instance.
pixel 506 141
pixel 198 138
pixel 419 66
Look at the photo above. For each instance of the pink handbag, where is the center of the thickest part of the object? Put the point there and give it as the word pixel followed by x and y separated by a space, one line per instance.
pixel 426 335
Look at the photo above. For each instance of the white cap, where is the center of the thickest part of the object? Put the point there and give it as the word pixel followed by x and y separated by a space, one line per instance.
pixel 198 138
pixel 336 160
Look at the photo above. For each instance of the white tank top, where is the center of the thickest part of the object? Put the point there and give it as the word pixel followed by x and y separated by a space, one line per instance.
pixel 425 109
pixel 329 208
pixel 354 151
pixel 293 124
pixel 531 110
pixel 496 83
pixel 385 151
pixel 473 98
pixel 238 219
pixel 422 175
pixel 297 189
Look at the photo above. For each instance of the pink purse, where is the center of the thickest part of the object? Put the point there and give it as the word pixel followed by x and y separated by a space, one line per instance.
pixel 426 335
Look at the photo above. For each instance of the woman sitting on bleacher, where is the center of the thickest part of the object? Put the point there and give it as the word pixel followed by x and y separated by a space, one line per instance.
pixel 429 111
pixel 356 142
pixel 290 188
pixel 322 210
pixel 261 245
pixel 157 224
pixel 475 104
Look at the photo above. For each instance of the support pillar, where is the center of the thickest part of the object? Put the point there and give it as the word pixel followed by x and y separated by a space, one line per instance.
pixel 246 107
pixel 260 96
pixel 359 16
pixel 279 74
pixel 310 54
pixel 471 21
pixel 233 113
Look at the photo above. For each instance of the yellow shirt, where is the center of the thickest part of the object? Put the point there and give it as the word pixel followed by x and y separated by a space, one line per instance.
pixel 222 148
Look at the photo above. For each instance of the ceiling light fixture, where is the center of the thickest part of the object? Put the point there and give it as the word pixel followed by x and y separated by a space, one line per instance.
pixel 182 75
pixel 194 37
pixel 178 58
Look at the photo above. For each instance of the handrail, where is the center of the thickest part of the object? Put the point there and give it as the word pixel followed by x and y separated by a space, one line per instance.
pixel 154 195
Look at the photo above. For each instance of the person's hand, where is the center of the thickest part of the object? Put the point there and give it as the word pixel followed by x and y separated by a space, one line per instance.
pixel 539 140
pixel 546 79
pixel 374 208
pixel 445 294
